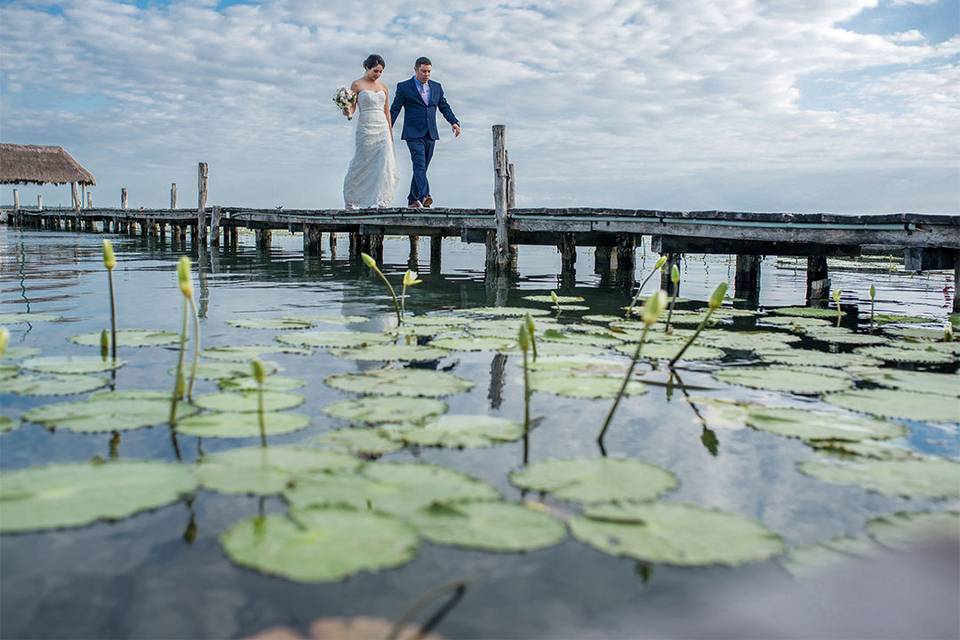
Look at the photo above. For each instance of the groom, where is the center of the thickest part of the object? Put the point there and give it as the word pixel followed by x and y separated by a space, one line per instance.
pixel 421 97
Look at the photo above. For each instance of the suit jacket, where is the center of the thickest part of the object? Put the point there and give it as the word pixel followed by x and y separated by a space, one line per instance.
pixel 420 120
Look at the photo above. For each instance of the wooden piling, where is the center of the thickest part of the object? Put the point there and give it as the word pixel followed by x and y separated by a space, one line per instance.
pixel 264 238
pixel 16 201
pixel 202 175
pixel 333 244
pixel 626 252
pixel 568 260
pixel 601 259
pixel 436 253
pixel 956 281
pixel 501 197
pixel 414 258
pixel 665 282
pixel 39 202
pixel 215 226
pixel 74 196
pixel 746 282
pixel 818 278
pixel 312 240
pixel 173 195
pixel 123 198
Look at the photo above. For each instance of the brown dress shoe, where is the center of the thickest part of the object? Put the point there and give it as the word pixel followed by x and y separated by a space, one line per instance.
pixel 415 205
pixel 427 202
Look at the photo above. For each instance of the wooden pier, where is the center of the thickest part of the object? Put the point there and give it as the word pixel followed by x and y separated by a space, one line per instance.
pixel 929 241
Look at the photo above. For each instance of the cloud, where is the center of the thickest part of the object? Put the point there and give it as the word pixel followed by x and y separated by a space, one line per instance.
pixel 599 98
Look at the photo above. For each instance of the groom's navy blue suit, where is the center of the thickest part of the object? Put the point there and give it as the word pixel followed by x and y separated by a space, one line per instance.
pixel 420 127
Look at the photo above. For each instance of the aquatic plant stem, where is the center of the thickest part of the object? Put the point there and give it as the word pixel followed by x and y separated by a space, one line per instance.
pixel 113 317
pixel 633 301
pixel 178 376
pixel 623 386
pixel 261 415
pixel 673 301
pixel 196 348
pixel 689 342
pixel 370 262
pixel 526 394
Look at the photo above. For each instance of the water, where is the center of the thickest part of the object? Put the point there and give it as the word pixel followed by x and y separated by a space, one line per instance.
pixel 143 577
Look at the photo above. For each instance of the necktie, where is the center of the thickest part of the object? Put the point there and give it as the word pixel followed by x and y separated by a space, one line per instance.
pixel 423 93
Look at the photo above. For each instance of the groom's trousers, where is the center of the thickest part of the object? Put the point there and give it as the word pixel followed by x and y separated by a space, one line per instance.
pixel 421 152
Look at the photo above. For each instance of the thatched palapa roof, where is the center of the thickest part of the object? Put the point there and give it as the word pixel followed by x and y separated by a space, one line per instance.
pixel 30 163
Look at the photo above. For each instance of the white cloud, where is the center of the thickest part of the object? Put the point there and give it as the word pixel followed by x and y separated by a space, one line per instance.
pixel 623 103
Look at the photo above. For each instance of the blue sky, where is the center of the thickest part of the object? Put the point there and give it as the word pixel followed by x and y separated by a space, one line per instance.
pixel 823 105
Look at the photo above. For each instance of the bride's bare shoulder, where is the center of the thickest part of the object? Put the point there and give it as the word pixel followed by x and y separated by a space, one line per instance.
pixel 357 85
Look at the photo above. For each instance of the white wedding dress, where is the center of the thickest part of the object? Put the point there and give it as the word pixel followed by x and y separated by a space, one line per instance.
pixel 372 177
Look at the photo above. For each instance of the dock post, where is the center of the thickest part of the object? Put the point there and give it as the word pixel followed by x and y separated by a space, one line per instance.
pixel 414 256
pixel 500 196
pixel 75 196
pixel 746 283
pixel 202 175
pixel 173 195
pixel 818 278
pixel 89 199
pixel 376 247
pixel 215 227
pixel 39 202
pixel 601 259
pixel 436 253
pixel 354 249
pixel 264 238
pixel 333 244
pixel 312 240
pixel 626 252
pixel 956 281
pixel 665 282
pixel 16 201
pixel 123 197
pixel 568 260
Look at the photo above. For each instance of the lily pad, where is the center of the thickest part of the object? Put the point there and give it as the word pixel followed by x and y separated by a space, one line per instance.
pixel 891 318
pixel 75 494
pixel 518 312
pixel 947 384
pixel 19 353
pixel 272 323
pixel 864 448
pixel 27 385
pixel 461 431
pixel 592 480
pixel 391 352
pixel 834 335
pixel 808 560
pixel 131 338
pixel 666 351
pixel 748 340
pixel 678 534
pixel 906 530
pixel 601 318
pixel 802 380
pixel 583 386
pixel 7 424
pixel 241 425
pixel 272 383
pixel 424 383
pixel 322 545
pixel 491 526
pixel 18 318
pixel 821 425
pixel 248 401
pixel 919 333
pixel 396 488
pixel 334 339
pixel 720 413
pixel 806 312
pixel 108 411
pixel 812 358
pixel 914 356
pixel 223 370
pixel 247 352
pixel 8 371
pixel 928 478
pixel 360 441
pixel 593 339
pixel 375 410
pixel 441 321
pixel 70 364
pixel 799 322
pixel 328 318
pixel 268 470
pixel 560 299
pixel 473 344
pixel 588 366
pixel 563 349
pixel 894 403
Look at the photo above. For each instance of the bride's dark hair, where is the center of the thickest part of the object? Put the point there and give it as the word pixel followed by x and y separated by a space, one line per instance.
pixel 373 60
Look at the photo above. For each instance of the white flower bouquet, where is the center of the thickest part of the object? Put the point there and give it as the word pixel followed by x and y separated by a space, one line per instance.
pixel 344 99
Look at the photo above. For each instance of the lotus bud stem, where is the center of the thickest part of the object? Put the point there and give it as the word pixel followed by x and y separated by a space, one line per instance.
pixel 531 329
pixel 873 298
pixel 370 262
pixel 179 385
pixel 675 279
pixel 260 375
pixel 409 280
pixel 110 262
pixel 196 347
pixel 836 300
pixel 104 344
pixel 556 302
pixel 716 300
pixel 662 260
pixel 523 340
pixel 4 340
pixel 652 309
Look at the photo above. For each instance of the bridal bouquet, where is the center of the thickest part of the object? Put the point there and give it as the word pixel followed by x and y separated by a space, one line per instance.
pixel 344 98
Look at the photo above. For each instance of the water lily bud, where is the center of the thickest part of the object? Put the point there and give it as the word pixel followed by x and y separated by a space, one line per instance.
pixel 675 274
pixel 528 322
pixel 109 258
pixel 662 260
pixel 653 307
pixel 873 292
pixel 183 277
pixel 836 295
pixel 523 337
pixel 947 334
pixel 259 372
pixel 554 297
pixel 716 299
pixel 4 340
pixel 104 343
pixel 367 260
pixel 410 278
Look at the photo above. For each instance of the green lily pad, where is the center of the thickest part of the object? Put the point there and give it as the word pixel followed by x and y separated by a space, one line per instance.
pixel 360 441
pixel 562 300
pixel 894 403
pixel 576 366
pixel 511 312
pixel 551 349
pixel 241 425
pixel 375 410
pixel 928 478
pixel 821 425
pixel 247 352
pixel 130 338
pixel 748 340
pixel 391 352
pixel 731 312
pixel 224 370
pixel 864 448
pixel 802 380
pixel 678 534
pixel 18 318
pixel 583 386
pixel 268 470
pixel 272 323
pixel 592 480
pixel 905 531
pixel 27 385
pixel 401 382
pixel 334 339
pixel 396 488
pixel 71 495
pixel 919 333
pixel 913 356
pixel 70 364
pixel 808 560
pixel 272 383
pixel 811 358
pixel 248 401
pixel 720 413
pixel 323 545
pixel 798 322
pixel 108 411
pixel 833 335
pixel 473 344
pixel 8 371
pixel 458 431
pixel 491 526
pixel 806 312
pixel 592 339
pixel 327 318
pixel 441 321
pixel 891 318
pixel 947 384
pixel 666 351
pixel 601 318
pixel 7 424
pixel 19 353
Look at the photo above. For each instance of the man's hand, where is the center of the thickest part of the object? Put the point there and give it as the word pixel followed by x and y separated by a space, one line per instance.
pixel 456 130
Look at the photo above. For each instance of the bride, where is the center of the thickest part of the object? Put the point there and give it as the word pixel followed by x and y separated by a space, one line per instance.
pixel 372 176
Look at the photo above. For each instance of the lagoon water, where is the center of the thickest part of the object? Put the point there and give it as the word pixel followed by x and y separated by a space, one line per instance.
pixel 163 573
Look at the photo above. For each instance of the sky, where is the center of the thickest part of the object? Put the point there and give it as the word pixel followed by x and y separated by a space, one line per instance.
pixel 749 105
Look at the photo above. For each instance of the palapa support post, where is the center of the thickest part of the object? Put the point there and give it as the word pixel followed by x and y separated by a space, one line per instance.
pixel 818 278
pixel 202 175
pixel 746 283
pixel 16 201
pixel 436 253
pixel 568 260
pixel 665 282
pixel 89 199
pixel 39 202
pixel 501 197
pixel 215 226
pixel 173 195
pixel 74 196
pixel 123 198
pixel 312 240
